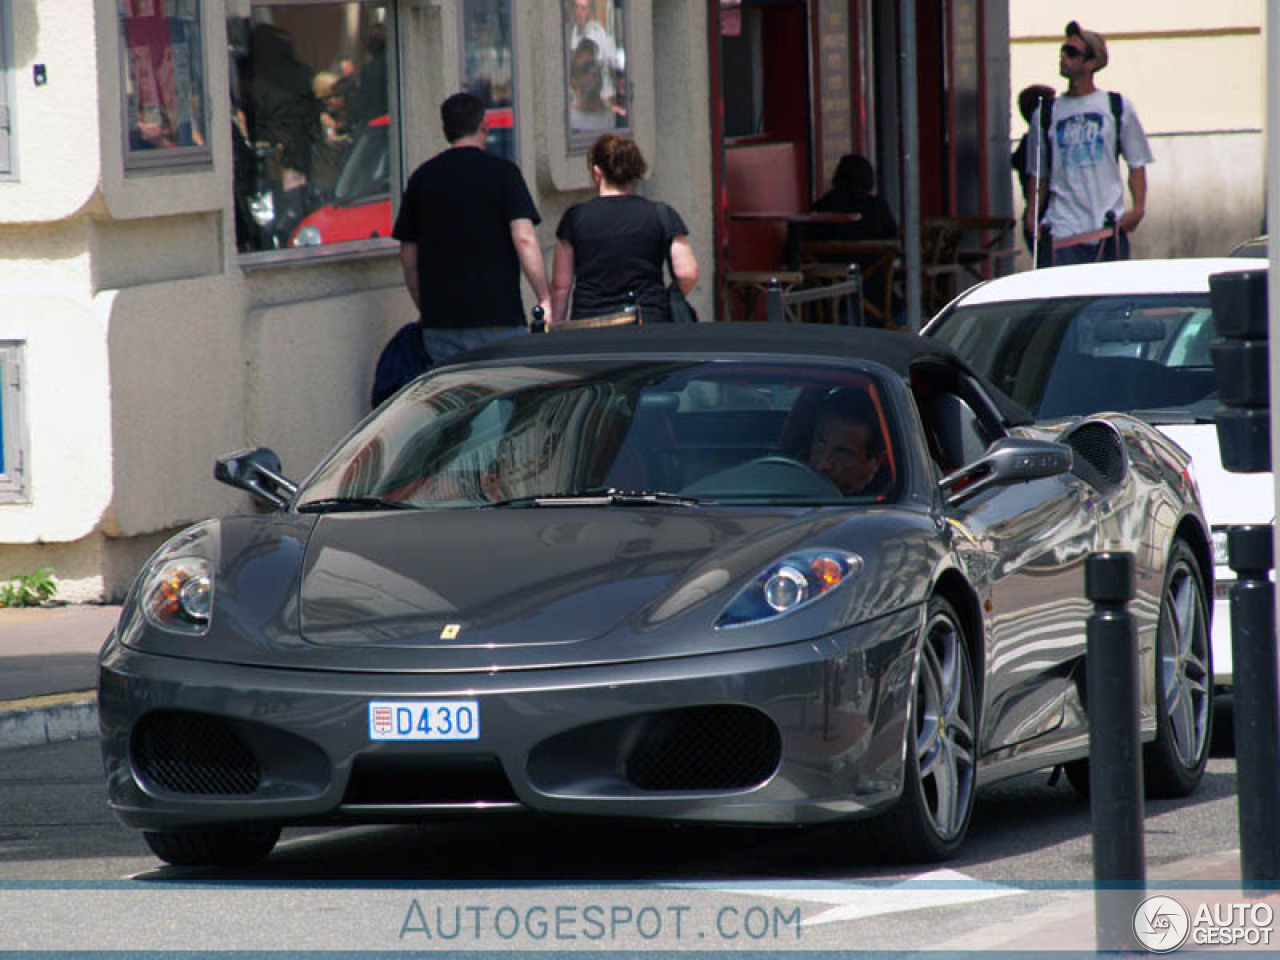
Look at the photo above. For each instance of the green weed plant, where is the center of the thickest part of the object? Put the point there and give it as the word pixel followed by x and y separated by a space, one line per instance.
pixel 29 590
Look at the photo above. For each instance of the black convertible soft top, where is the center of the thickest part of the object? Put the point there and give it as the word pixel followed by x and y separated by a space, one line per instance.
pixel 898 351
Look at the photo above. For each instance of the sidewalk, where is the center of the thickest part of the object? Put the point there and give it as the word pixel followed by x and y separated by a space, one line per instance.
pixel 48 672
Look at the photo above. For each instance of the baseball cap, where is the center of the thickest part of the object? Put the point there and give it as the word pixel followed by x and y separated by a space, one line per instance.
pixel 1094 41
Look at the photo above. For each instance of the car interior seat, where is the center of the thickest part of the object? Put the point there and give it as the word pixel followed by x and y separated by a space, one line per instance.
pixel 648 459
pixel 956 435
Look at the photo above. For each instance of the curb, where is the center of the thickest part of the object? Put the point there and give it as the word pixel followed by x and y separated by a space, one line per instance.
pixel 59 717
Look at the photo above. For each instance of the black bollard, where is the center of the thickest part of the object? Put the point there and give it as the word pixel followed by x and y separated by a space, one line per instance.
pixel 1115 758
pixel 1256 710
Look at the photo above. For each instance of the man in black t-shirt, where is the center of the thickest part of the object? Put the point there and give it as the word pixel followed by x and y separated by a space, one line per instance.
pixel 466 232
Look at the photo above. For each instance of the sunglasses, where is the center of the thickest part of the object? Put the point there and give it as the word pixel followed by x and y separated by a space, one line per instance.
pixel 1073 52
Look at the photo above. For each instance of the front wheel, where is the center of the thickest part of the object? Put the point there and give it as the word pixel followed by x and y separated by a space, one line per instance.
pixel 931 818
pixel 222 846
pixel 1174 762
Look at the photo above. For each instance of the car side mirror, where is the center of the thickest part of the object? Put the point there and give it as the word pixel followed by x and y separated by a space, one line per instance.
pixel 258 472
pixel 1009 460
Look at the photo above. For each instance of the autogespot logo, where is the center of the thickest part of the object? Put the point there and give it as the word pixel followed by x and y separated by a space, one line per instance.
pixel 1161 924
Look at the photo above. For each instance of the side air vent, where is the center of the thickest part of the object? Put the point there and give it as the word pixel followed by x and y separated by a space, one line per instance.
pixel 194 754
pixel 1100 458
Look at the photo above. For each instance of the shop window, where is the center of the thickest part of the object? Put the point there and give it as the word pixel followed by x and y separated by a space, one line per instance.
pixel 165 100
pixel 488 69
pixel 6 90
pixel 13 434
pixel 315 125
pixel 595 45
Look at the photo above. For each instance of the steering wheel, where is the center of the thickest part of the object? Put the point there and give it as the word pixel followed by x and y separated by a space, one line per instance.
pixel 793 476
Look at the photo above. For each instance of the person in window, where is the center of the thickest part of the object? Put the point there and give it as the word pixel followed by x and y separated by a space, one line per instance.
pixel 610 250
pixel 588 111
pixel 282 112
pixel 369 99
pixel 585 27
pixel 848 445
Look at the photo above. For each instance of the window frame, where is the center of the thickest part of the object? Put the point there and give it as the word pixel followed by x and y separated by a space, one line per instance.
pixel 14 445
pixel 176 158
pixel 8 155
pixel 250 261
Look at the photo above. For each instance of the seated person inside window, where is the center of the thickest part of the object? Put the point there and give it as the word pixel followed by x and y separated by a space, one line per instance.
pixel 848 444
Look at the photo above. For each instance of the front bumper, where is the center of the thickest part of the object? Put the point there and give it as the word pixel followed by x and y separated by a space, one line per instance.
pixel 800 733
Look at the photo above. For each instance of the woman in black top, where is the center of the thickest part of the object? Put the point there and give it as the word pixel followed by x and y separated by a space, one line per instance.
pixel 610 250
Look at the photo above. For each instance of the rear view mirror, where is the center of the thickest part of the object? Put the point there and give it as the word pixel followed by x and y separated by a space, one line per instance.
pixel 258 472
pixel 1009 460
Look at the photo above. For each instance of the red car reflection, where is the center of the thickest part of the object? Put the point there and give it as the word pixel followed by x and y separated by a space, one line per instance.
pixel 361 207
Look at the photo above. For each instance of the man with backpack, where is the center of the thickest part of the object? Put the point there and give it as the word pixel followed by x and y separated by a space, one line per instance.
pixel 1076 144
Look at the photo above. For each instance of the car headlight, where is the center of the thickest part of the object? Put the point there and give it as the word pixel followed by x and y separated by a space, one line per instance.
pixel 1219 548
pixel 308 236
pixel 178 595
pixel 789 584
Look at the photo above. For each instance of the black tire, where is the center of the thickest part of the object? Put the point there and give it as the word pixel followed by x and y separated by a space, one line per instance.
pixel 931 818
pixel 1078 776
pixel 1174 762
pixel 222 846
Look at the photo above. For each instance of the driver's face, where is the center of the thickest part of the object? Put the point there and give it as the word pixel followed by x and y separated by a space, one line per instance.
pixel 839 453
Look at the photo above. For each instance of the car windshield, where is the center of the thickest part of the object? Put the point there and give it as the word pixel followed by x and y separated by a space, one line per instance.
pixel 1147 355
pixel 365 173
pixel 595 431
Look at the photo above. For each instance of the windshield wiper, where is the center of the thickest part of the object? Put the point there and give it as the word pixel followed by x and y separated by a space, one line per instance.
pixel 602 497
pixel 347 504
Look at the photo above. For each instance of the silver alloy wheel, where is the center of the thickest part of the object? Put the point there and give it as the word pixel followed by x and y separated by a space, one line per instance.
pixel 945 741
pixel 1184 666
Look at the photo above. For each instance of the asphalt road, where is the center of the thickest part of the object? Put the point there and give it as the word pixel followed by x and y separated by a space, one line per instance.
pixel 63 856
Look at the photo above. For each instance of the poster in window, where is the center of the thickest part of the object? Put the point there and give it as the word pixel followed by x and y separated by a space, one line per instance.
pixel 165 107
pixel 595 70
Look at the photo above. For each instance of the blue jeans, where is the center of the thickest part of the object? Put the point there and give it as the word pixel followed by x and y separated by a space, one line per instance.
pixel 442 343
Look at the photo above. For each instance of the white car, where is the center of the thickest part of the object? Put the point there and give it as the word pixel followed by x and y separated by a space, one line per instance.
pixel 1131 337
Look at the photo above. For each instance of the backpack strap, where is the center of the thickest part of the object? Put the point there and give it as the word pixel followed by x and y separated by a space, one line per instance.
pixel 1117 114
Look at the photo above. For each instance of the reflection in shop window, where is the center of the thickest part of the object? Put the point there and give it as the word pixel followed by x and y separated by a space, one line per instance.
pixel 489 70
pixel 164 93
pixel 313 122
pixel 595 70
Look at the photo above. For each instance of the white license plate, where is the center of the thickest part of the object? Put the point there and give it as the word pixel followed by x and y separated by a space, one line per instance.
pixel 424 720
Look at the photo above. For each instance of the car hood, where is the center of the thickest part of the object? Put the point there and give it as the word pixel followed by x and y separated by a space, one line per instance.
pixel 524 588
pixel 1228 498
pixel 493 579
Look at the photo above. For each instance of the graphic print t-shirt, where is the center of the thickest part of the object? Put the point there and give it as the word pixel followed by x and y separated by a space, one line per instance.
pixel 1085 179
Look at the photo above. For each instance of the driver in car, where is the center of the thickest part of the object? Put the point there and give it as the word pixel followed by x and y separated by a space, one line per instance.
pixel 848 445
